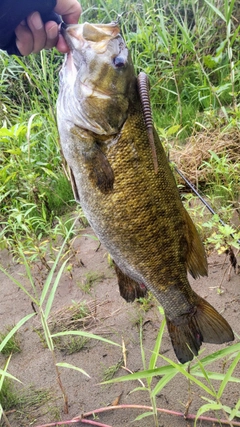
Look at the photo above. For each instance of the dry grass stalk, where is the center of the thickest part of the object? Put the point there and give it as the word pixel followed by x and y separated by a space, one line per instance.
pixel 189 159
pixel 80 315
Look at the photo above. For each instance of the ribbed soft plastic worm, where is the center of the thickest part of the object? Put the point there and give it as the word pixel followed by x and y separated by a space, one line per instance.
pixel 143 86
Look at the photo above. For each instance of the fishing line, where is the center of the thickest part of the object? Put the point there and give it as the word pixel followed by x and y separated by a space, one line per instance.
pixel 202 199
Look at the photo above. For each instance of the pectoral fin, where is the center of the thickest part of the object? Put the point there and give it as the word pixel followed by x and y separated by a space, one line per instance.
pixel 99 169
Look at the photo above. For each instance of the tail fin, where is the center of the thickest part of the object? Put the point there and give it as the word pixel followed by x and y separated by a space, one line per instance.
pixel 204 325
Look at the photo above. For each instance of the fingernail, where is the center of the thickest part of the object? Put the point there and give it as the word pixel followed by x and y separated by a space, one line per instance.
pixel 52 32
pixel 36 21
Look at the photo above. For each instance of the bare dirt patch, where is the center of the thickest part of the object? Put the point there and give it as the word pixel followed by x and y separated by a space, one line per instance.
pixel 108 315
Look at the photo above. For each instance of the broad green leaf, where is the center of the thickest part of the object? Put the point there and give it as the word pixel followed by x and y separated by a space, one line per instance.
pixel 173 129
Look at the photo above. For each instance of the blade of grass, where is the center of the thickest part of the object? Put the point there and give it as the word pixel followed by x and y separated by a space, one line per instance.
pixel 15 329
pixel 186 374
pixel 157 346
pixel 53 290
pixel 19 285
pixel 69 366
pixel 228 375
pixel 85 334
pixel 216 10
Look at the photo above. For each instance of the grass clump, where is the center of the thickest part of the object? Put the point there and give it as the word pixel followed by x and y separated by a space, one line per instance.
pixel 12 345
pixel 70 345
pixel 109 372
pixel 8 395
pixel 91 278
pixel 24 406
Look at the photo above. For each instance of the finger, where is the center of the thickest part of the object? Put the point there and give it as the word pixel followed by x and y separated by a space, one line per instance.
pixel 70 11
pixel 62 45
pixel 24 39
pixel 37 28
pixel 52 33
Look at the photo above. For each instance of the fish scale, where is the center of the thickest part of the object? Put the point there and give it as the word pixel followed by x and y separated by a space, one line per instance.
pixel 122 178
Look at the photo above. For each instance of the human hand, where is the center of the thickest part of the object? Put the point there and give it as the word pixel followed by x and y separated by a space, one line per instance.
pixel 32 35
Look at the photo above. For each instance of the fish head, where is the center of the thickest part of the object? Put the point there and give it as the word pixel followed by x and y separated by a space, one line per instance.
pixel 99 71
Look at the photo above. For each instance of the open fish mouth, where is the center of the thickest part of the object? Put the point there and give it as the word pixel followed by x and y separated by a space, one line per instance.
pixel 97 36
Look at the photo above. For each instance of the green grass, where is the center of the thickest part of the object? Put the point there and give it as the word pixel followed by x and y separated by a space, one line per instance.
pixel 12 345
pixel 25 403
pixel 89 281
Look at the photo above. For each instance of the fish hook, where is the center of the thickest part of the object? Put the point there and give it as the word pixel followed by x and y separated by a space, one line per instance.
pixel 143 87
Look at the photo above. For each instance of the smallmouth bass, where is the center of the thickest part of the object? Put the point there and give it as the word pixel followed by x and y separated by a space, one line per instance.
pixel 122 179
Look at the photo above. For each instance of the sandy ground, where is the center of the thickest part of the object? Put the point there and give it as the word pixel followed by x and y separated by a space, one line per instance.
pixel 112 318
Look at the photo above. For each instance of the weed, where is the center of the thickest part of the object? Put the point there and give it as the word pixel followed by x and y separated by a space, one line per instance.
pixel 193 371
pixel 222 236
pixel 80 310
pixel 109 372
pixel 8 395
pixel 146 303
pixel 70 345
pixel 91 278
pixel 12 345
pixel 24 404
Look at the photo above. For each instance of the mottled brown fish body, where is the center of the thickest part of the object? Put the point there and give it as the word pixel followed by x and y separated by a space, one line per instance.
pixel 135 211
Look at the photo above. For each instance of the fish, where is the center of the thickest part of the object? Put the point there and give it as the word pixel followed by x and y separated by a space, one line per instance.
pixel 121 176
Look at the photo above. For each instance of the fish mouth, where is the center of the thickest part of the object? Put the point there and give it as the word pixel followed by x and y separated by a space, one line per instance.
pixel 96 35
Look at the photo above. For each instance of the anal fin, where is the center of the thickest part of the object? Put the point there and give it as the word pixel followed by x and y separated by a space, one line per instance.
pixel 129 289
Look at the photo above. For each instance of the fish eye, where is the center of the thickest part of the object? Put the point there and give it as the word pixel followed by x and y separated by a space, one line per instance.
pixel 119 61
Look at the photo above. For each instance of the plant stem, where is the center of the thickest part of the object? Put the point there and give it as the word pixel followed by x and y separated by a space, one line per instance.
pixel 81 418
pixel 6 419
pixel 65 397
